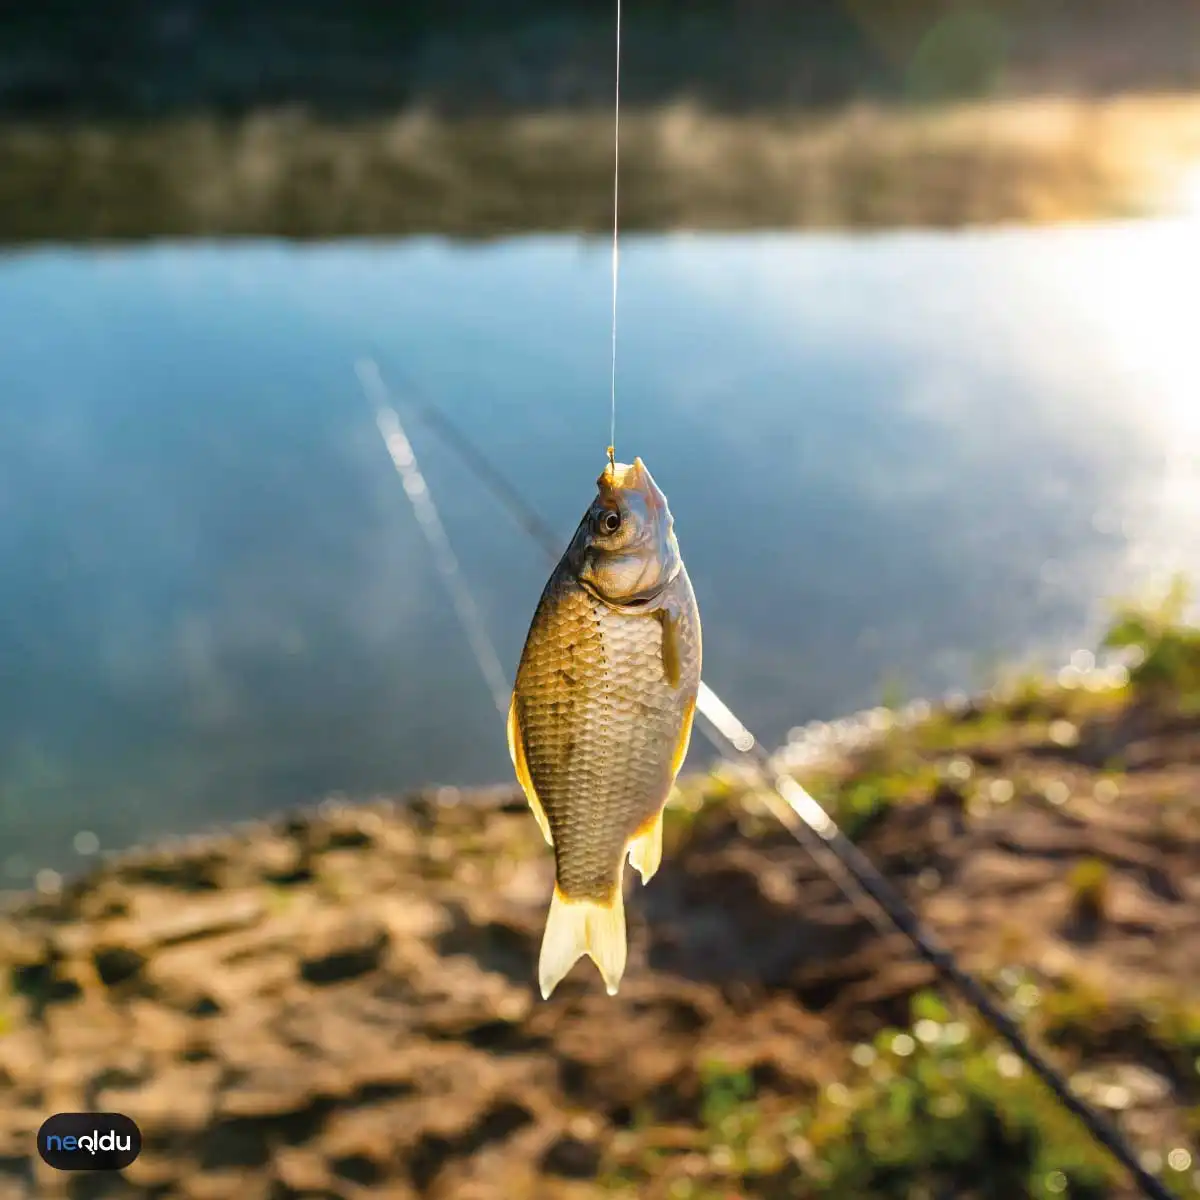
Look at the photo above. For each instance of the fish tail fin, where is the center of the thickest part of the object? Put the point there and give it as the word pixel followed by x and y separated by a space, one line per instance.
pixel 578 927
pixel 645 851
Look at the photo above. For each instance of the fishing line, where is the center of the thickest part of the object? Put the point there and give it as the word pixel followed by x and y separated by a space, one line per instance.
pixel 616 247
pixel 806 820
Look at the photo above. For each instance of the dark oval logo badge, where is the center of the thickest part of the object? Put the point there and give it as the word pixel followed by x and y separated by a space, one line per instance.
pixel 89 1141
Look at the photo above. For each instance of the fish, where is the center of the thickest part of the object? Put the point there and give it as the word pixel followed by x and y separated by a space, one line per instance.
pixel 601 713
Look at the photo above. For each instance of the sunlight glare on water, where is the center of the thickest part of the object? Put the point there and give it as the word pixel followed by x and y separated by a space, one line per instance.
pixel 1144 309
pixel 1189 193
pixel 1090 348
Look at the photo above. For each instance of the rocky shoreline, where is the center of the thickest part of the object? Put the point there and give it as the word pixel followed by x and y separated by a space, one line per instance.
pixel 341 1004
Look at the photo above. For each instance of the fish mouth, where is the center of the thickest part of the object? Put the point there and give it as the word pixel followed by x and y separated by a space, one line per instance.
pixel 625 477
pixel 619 477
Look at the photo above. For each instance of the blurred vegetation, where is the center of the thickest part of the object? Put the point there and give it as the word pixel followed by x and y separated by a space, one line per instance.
pixel 1166 647
pixel 940 1107
pixel 128 119
pixel 139 58
pixel 1089 883
pixel 1023 711
pixel 867 166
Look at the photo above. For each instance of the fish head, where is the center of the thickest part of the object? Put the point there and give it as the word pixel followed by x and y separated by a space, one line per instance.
pixel 625 549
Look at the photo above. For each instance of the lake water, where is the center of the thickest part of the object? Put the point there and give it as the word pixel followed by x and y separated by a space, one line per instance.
pixel 890 458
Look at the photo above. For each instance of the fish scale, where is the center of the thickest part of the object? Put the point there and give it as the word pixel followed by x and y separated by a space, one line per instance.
pixel 599 748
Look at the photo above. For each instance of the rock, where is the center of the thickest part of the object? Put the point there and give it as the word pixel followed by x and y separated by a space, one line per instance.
pixel 572 1158
pixel 226 1184
pixel 412 916
pixel 113 1079
pixel 302 1172
pixel 117 964
pixel 432 1151
pixel 281 861
pixel 198 977
pixel 495 945
pixel 22 1055
pixel 201 918
pixel 45 983
pixel 179 1099
pixel 357 1168
pixel 345 953
pixel 151 1172
pixel 280 1091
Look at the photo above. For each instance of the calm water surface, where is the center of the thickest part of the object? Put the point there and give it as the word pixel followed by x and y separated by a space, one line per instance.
pixel 892 458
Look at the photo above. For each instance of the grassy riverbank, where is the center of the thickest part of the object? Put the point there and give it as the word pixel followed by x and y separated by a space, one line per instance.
pixel 295 175
pixel 340 1004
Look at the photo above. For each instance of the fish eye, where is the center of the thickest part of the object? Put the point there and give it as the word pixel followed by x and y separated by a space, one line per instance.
pixel 608 522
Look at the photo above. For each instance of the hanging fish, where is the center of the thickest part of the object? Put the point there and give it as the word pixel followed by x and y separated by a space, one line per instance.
pixel 601 713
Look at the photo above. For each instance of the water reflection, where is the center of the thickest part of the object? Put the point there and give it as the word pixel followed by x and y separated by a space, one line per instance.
pixel 890 457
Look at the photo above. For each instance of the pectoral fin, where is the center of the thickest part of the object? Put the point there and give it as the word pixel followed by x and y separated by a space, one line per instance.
pixel 516 751
pixel 669 619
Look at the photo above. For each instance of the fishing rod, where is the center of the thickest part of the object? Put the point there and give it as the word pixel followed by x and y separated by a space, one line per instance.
pixel 804 818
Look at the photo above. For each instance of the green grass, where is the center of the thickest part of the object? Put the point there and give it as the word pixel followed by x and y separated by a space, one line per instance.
pixel 733 1121
pixel 942 1105
pixel 1089 882
pixel 906 764
pixel 944 731
pixel 1166 646
pixel 939 1106
pixel 278 900
pixel 855 803
pixel 1077 1013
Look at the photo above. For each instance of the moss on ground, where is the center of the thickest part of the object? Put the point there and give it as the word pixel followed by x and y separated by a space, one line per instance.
pixel 1165 648
pixel 915 1112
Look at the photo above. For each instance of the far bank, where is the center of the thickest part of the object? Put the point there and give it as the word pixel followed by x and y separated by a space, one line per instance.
pixel 290 174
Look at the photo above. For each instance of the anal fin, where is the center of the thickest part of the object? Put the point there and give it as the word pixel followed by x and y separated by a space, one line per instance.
pixel 578 927
pixel 516 751
pixel 645 851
